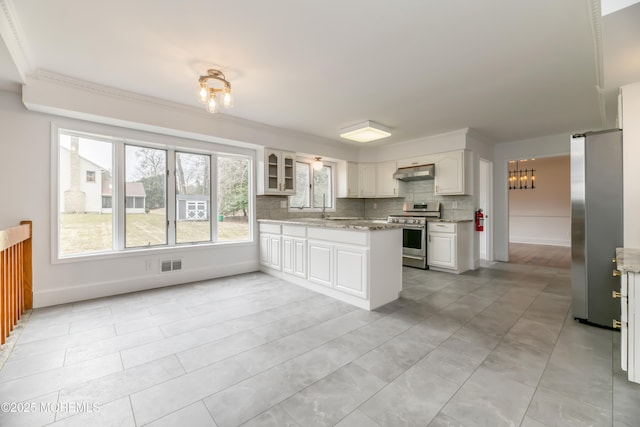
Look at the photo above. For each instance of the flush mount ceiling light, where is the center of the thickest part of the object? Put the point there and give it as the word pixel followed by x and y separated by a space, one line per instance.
pixel 365 132
pixel 317 163
pixel 215 90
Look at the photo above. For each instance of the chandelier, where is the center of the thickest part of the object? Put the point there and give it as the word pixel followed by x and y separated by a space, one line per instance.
pixel 215 90
pixel 521 179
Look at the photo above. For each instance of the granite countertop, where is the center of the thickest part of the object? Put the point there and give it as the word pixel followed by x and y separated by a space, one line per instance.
pixel 628 260
pixel 339 222
pixel 451 220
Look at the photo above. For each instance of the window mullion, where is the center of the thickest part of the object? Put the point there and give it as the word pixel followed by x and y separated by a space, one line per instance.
pixel 117 197
pixel 213 197
pixel 171 197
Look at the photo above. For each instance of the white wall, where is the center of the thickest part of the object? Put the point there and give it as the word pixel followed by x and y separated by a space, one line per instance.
pixel 630 167
pixel 25 164
pixel 25 147
pixel 552 145
pixel 543 215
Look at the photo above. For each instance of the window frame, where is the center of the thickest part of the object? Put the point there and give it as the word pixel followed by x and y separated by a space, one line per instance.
pixel 313 208
pixel 119 137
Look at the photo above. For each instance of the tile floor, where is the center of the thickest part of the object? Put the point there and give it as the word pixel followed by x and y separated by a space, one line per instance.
pixel 493 347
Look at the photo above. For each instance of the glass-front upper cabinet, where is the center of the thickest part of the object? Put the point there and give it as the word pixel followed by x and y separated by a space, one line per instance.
pixel 276 172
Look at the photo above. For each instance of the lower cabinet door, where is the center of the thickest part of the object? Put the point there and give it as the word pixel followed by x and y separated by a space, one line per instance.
pixel 274 252
pixel 300 258
pixel 288 261
pixel 441 251
pixel 264 249
pixel 320 263
pixel 351 271
pixel 293 256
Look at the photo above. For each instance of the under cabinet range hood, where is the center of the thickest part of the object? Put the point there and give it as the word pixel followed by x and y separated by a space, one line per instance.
pixel 415 173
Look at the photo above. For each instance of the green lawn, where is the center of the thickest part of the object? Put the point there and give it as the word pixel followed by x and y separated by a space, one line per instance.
pixel 81 233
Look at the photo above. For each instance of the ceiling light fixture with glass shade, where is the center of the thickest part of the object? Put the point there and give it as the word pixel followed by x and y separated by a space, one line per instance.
pixel 365 132
pixel 317 163
pixel 215 91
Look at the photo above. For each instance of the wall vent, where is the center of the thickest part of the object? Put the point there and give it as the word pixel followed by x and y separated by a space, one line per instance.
pixel 170 265
pixel 165 266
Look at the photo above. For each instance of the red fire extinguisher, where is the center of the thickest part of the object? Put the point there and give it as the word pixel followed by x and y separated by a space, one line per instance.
pixel 479 220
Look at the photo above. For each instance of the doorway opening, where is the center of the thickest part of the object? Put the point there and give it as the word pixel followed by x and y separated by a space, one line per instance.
pixel 540 218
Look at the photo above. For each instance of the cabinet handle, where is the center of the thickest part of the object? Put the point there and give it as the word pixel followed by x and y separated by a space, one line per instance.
pixel 616 324
pixel 615 294
pixel 617 273
pixel 613 260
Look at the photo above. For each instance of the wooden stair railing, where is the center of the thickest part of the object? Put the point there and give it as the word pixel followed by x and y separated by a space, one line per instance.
pixel 16 293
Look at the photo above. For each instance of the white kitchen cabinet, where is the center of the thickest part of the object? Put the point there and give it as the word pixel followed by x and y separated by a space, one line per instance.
pixel 630 325
pixel 294 251
pixel 416 161
pixel 442 249
pixel 353 180
pixel 386 185
pixel 628 265
pixel 449 246
pixel 276 172
pixel 451 175
pixel 360 267
pixel 367 180
pixel 320 262
pixel 351 270
pixel 270 249
pixel 348 179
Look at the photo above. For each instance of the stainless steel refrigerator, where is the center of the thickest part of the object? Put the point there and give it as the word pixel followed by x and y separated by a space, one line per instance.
pixel 596 225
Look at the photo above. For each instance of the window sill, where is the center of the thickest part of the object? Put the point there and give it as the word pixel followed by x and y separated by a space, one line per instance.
pixel 151 251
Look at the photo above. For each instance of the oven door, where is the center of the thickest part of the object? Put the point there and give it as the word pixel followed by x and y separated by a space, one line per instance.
pixel 414 240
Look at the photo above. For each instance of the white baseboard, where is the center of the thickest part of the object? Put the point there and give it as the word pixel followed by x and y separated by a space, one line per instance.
pixel 110 288
pixel 540 241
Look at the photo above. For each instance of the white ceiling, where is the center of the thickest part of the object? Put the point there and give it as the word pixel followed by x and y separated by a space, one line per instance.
pixel 511 70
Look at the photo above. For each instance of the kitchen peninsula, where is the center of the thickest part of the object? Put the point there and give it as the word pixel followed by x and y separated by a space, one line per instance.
pixel 356 261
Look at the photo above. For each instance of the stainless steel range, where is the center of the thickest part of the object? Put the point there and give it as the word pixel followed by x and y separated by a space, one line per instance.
pixel 414 231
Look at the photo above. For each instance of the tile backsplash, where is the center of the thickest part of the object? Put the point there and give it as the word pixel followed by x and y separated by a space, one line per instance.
pixel 270 207
pixel 452 207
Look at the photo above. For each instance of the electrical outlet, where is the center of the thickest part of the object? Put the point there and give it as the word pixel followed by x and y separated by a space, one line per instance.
pixel 148 265
pixel 454 205
pixel 283 204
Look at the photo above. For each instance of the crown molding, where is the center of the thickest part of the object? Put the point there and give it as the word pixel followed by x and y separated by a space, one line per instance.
pixel 52 93
pixel 13 36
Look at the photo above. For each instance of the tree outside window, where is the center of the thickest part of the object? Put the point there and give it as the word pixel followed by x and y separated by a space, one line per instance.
pixel 314 188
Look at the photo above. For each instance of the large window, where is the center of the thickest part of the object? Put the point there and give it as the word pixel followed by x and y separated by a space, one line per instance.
pixel 233 200
pixel 84 222
pixel 314 188
pixel 145 192
pixel 145 195
pixel 193 195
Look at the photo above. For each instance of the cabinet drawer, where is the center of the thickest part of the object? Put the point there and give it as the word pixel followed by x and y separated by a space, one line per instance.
pixel 270 228
pixel 442 227
pixel 294 230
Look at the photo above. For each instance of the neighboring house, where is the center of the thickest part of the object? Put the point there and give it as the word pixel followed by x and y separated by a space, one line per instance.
pixel 135 197
pixel 85 187
pixel 192 207
pixel 80 179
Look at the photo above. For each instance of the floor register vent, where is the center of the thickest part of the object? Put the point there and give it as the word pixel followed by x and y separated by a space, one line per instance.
pixel 170 265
